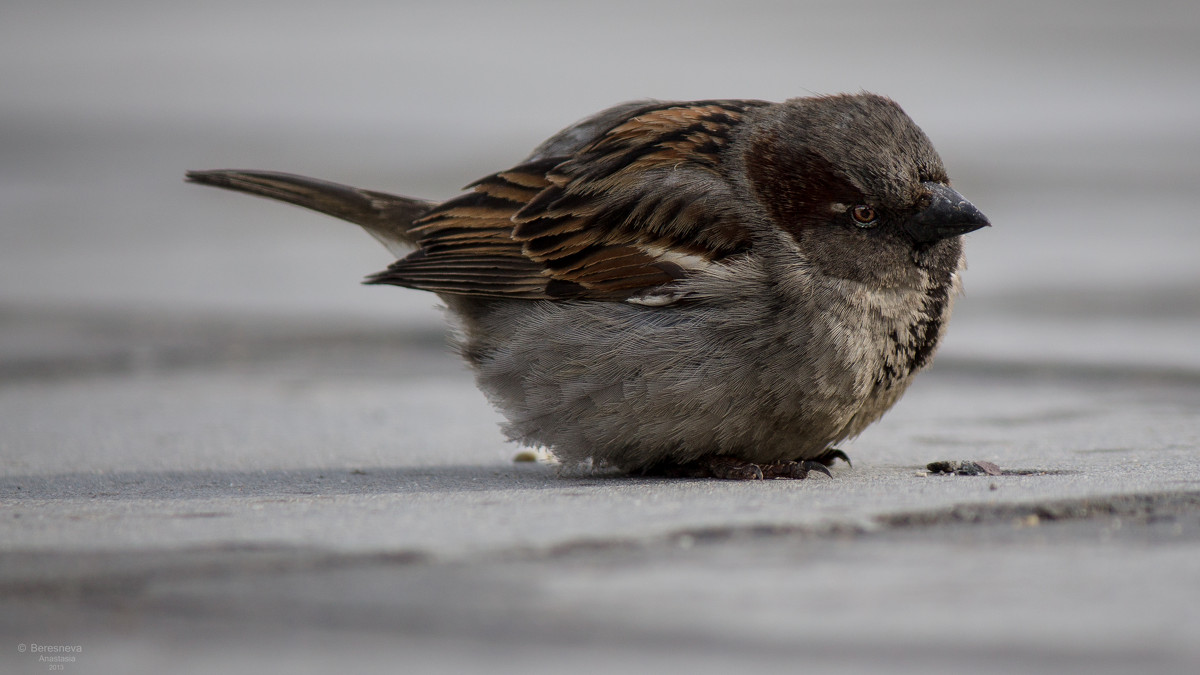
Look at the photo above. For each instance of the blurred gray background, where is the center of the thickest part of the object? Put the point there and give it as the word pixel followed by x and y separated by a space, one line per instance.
pixel 220 453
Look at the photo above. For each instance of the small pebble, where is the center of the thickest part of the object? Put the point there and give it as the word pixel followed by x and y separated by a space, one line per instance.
pixel 965 467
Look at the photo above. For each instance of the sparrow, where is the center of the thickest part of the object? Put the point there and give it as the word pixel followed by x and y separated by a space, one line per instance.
pixel 726 288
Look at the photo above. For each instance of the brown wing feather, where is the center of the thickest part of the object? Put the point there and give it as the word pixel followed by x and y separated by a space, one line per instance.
pixel 611 220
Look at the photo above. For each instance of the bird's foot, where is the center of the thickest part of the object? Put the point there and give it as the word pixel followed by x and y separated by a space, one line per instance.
pixel 729 468
pixel 832 455
pixel 794 470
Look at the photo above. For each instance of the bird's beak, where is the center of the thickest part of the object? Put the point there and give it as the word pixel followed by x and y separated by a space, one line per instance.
pixel 948 215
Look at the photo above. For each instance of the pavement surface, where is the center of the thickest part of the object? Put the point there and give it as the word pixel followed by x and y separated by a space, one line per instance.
pixel 299 501
pixel 219 454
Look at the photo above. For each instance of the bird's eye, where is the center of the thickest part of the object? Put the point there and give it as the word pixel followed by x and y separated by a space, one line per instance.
pixel 864 216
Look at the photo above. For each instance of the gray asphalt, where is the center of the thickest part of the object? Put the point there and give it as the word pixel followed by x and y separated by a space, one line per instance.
pixel 218 453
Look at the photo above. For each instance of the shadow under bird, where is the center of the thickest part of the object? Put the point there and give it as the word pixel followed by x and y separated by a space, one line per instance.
pixel 725 288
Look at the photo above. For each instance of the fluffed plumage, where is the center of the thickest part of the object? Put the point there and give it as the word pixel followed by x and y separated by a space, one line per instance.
pixel 729 285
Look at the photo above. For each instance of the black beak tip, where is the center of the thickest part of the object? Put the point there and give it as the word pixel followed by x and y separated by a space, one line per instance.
pixel 978 222
pixel 948 215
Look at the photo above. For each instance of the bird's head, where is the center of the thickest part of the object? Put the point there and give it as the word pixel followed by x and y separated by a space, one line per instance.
pixel 860 189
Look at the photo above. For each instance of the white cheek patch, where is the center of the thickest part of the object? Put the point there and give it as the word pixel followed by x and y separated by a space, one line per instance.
pixel 838 207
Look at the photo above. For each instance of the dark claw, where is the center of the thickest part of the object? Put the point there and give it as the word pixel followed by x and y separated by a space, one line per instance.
pixel 809 465
pixel 832 455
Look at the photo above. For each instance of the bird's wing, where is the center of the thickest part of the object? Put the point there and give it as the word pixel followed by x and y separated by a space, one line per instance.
pixel 638 201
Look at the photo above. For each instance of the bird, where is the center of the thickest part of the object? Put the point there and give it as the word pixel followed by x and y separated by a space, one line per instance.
pixel 717 288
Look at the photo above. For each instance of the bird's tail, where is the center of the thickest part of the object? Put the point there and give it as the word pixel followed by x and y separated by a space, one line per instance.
pixel 386 217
